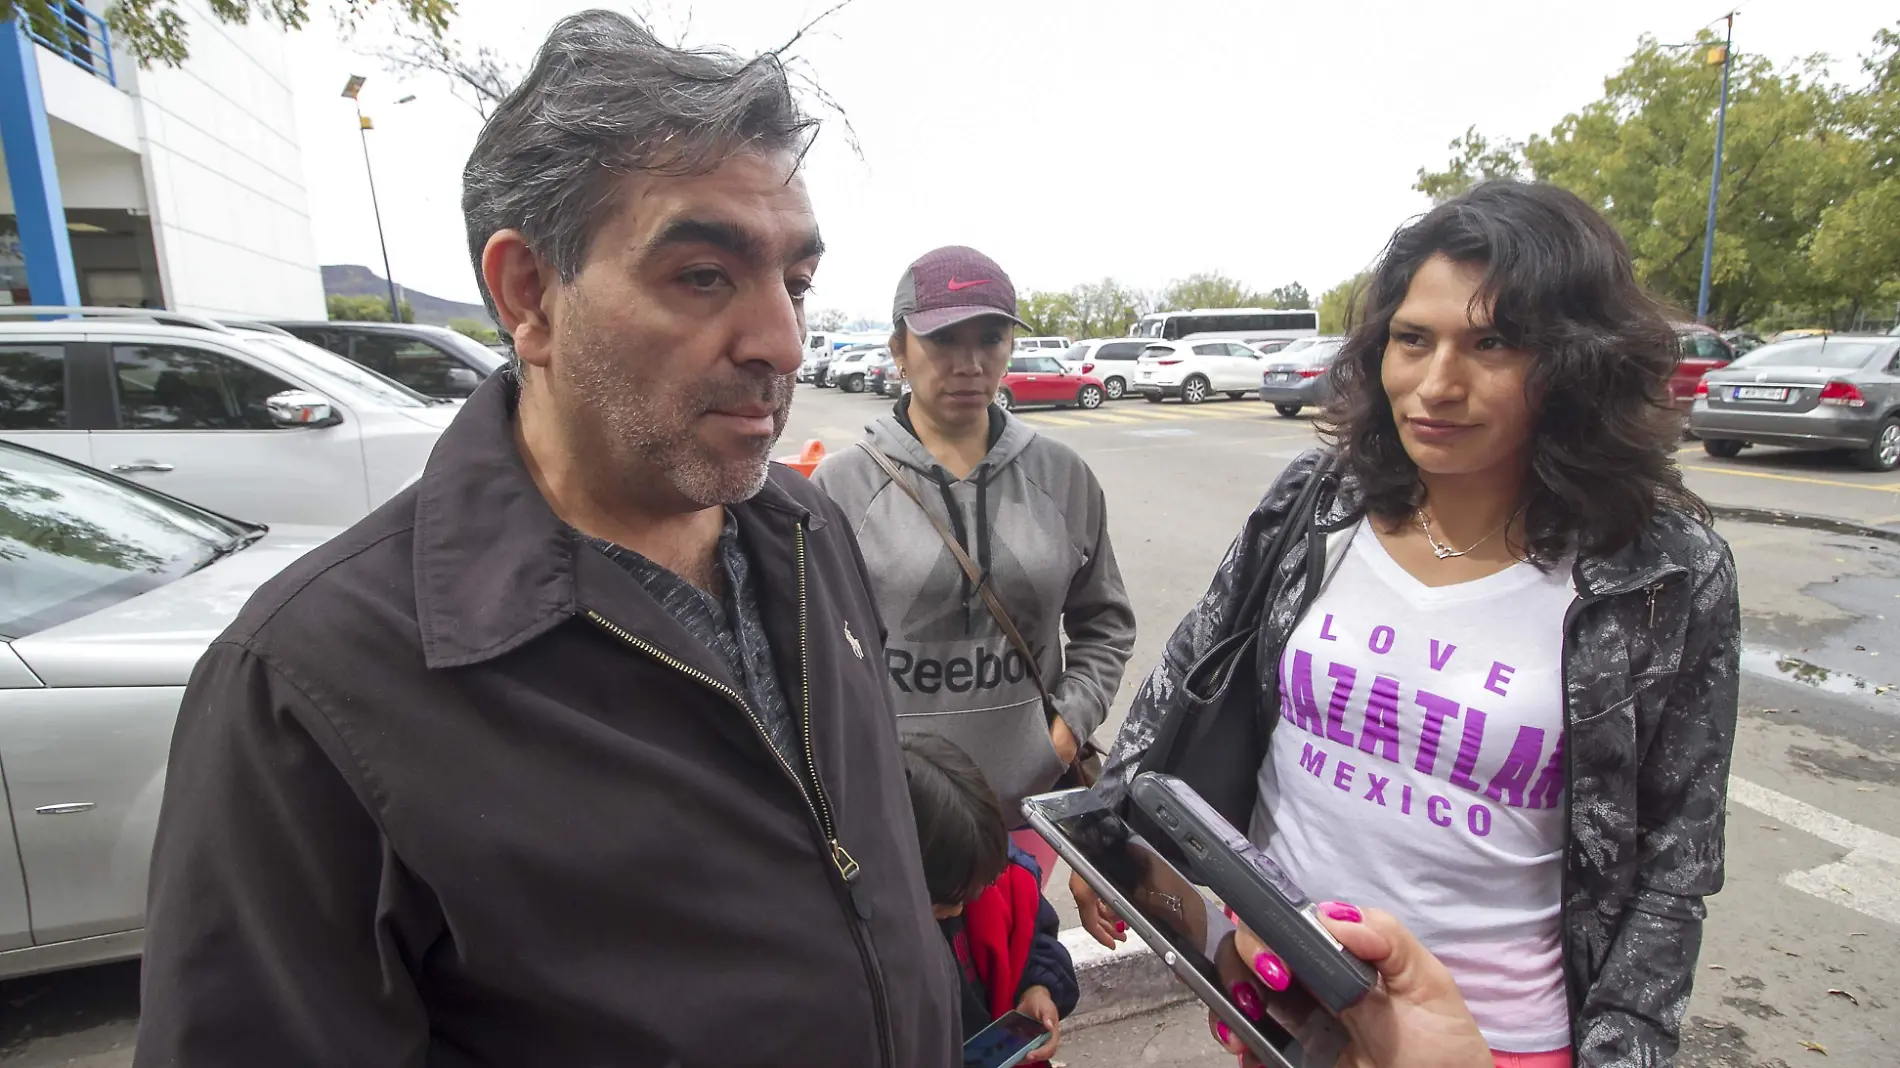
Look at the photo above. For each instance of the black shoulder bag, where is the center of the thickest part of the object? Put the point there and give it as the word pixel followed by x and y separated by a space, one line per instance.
pixel 1215 737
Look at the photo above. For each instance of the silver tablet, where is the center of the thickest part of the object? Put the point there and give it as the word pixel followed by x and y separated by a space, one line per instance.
pixel 1191 933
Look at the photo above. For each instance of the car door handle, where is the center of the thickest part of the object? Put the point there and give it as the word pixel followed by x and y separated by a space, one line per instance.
pixel 142 467
pixel 65 809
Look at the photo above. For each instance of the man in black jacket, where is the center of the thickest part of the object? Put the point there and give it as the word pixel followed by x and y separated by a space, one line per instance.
pixel 576 752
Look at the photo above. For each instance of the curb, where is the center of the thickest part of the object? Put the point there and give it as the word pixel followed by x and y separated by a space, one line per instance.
pixel 1118 983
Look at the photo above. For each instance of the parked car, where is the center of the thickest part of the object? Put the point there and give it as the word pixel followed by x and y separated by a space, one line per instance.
pixel 1042 380
pixel 431 360
pixel 1111 359
pixel 1743 342
pixel 242 422
pixel 1042 346
pixel 883 376
pixel 1295 377
pixel 1703 350
pixel 812 367
pixel 1196 370
pixel 1829 392
pixel 851 368
pixel 113 592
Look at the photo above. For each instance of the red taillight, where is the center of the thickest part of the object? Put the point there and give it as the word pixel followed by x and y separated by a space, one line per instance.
pixel 1170 363
pixel 1844 394
pixel 1701 388
pixel 1088 368
pixel 1312 372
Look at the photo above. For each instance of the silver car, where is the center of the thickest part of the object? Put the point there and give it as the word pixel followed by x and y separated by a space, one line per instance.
pixel 1828 392
pixel 1295 376
pixel 109 593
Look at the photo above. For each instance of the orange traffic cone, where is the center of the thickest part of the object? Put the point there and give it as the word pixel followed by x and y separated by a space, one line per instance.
pixel 807 459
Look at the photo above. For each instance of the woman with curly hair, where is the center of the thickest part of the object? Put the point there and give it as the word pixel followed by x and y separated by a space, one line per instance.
pixel 1502 644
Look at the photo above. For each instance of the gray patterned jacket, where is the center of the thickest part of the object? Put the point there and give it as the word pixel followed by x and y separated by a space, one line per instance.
pixel 1651 651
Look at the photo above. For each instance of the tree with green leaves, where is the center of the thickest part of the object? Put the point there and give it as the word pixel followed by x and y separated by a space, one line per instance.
pixel 1048 314
pixel 1209 289
pixel 1338 306
pixel 829 320
pixel 1291 295
pixel 1800 207
pixel 154 31
pixel 364 309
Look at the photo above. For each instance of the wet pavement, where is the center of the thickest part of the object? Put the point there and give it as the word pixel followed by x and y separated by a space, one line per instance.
pixel 1801 950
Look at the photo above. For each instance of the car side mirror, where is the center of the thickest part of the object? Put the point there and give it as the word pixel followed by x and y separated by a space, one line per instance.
pixel 301 408
pixel 463 379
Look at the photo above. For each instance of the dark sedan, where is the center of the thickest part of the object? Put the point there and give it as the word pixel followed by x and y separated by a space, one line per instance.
pixel 1827 392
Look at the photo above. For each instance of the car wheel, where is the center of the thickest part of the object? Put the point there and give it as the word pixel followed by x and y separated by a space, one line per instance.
pixel 1287 410
pixel 1116 388
pixel 1005 400
pixel 1088 397
pixel 1884 453
pixel 853 384
pixel 1723 450
pixel 1194 390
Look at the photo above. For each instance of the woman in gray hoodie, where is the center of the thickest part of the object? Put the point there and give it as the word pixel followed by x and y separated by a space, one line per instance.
pixel 1027 512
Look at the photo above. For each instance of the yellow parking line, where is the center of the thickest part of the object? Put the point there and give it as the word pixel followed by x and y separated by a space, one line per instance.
pixel 1713 469
pixel 1060 420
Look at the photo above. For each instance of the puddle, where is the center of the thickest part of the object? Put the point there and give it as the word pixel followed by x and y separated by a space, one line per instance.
pixel 1777 518
pixel 1776 665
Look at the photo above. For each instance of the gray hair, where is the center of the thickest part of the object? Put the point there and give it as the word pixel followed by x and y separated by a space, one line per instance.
pixel 605 99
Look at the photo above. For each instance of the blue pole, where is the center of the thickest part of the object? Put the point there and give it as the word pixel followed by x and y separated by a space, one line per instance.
pixel 1715 179
pixel 38 208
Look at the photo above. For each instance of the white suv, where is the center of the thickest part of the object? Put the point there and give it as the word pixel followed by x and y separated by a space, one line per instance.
pixel 251 422
pixel 1041 346
pixel 1196 370
pixel 1111 359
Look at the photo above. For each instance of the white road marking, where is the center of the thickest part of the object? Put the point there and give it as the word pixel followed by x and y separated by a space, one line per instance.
pixel 1866 880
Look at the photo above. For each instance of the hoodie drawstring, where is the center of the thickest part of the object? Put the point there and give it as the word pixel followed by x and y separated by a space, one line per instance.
pixel 942 478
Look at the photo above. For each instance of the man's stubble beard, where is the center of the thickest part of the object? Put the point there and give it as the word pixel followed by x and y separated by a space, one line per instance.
pixel 645 427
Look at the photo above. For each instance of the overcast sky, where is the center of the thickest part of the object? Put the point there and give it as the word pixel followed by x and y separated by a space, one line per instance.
pixel 1069 139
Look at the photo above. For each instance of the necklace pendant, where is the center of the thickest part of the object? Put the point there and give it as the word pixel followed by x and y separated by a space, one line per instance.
pixel 1442 552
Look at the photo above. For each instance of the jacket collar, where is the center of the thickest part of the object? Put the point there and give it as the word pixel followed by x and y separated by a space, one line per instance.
pixel 494 566
pixel 1635 566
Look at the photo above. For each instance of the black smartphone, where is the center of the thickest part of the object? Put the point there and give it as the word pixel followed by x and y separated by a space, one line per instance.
pixel 1006 1042
pixel 1190 933
pixel 1256 888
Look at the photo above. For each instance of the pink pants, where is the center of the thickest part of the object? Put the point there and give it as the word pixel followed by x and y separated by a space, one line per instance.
pixel 1557 1058
pixel 1033 844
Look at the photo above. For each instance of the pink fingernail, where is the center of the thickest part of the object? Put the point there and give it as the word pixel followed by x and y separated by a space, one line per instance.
pixel 1339 910
pixel 1120 927
pixel 1272 971
pixel 1222 1031
pixel 1247 1001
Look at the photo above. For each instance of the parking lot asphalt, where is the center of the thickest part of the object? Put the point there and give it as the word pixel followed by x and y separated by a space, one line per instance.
pixel 1803 947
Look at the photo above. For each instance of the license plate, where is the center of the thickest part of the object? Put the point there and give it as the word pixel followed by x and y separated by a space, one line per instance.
pixel 1283 376
pixel 1147 374
pixel 1760 393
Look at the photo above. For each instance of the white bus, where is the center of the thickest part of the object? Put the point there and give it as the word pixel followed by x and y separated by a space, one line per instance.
pixel 1247 324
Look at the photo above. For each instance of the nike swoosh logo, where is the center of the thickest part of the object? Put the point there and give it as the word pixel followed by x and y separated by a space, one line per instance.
pixel 956 285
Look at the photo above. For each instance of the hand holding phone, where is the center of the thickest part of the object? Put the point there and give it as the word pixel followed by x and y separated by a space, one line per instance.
pixel 1005 1043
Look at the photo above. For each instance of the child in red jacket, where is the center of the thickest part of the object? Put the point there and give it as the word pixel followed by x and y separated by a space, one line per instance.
pixel 986 895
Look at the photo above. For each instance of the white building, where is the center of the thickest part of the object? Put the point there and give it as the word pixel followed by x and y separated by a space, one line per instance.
pixel 183 188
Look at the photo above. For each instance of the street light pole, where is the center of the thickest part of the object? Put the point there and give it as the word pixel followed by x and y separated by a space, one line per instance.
pixel 351 89
pixel 1715 178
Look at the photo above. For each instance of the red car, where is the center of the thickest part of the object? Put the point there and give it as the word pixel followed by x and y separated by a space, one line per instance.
pixel 1703 350
pixel 1041 380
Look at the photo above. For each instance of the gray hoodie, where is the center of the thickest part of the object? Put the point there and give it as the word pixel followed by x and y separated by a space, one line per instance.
pixel 1033 518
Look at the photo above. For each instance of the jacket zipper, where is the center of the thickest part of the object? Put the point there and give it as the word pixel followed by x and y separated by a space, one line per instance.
pixel 816 803
pixel 847 868
pixel 1576 996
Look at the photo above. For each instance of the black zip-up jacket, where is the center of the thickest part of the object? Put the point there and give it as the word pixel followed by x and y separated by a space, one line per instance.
pixel 454 790
pixel 1651 652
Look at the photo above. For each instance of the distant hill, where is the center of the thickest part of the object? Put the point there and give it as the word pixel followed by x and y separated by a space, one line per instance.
pixel 355 280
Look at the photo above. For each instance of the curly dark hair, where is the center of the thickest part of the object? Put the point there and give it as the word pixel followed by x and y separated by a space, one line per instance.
pixel 1558 284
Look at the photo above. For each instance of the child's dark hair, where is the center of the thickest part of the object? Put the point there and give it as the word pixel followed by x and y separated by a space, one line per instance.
pixel 960 827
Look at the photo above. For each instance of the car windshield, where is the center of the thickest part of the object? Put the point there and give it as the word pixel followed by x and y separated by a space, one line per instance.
pixel 365 382
pixel 74 541
pixel 487 360
pixel 1829 353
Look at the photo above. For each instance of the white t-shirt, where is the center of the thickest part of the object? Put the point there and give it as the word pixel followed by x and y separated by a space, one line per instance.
pixel 1419 769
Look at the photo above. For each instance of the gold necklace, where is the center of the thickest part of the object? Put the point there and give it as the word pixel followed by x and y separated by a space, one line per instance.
pixel 1446 552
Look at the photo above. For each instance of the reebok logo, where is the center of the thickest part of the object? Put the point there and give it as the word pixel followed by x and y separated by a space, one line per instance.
pixel 983 670
pixel 957 287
